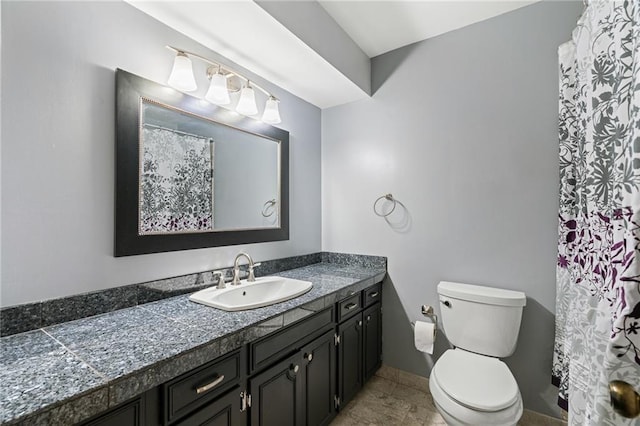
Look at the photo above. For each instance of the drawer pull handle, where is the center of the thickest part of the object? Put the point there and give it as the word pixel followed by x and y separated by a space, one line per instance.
pixel 216 382
pixel 374 294
pixel 351 306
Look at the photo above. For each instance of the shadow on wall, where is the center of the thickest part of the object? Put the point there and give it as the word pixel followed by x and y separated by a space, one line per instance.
pixel 537 333
pixel 382 70
pixel 398 339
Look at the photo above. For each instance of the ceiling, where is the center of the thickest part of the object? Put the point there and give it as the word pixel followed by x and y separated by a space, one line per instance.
pixel 380 26
pixel 273 52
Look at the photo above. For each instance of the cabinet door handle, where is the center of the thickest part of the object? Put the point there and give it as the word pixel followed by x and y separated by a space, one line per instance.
pixel 374 294
pixel 368 318
pixel 216 382
pixel 351 306
pixel 295 369
pixel 359 322
pixel 309 357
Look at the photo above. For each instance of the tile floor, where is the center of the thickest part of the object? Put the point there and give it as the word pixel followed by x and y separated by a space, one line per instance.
pixel 385 402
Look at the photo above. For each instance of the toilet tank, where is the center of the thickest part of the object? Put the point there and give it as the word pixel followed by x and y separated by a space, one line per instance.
pixel 480 319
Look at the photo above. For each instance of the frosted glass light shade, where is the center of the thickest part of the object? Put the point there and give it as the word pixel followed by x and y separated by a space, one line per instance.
pixel 218 93
pixel 181 77
pixel 247 103
pixel 271 113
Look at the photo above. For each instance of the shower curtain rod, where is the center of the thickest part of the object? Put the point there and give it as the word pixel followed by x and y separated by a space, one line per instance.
pixel 177 131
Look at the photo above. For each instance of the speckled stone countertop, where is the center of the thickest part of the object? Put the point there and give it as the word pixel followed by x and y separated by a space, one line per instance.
pixel 68 372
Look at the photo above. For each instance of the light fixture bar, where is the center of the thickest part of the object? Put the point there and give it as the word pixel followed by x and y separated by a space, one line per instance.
pixel 222 68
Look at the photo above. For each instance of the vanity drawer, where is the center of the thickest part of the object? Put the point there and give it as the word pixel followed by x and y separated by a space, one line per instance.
pixel 372 295
pixel 274 347
pixel 349 306
pixel 200 386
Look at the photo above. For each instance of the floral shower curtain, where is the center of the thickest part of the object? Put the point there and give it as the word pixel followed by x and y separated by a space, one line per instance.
pixel 598 271
pixel 176 182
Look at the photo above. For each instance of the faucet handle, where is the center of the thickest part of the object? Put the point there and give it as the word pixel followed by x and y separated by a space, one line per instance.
pixel 220 275
pixel 252 277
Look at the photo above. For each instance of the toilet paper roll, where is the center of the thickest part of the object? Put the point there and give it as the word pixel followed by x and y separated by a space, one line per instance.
pixel 424 336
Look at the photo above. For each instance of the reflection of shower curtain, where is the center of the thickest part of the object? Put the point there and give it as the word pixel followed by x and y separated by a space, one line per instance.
pixel 176 182
pixel 598 271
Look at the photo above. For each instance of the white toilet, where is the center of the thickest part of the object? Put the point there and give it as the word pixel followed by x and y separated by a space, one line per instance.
pixel 469 384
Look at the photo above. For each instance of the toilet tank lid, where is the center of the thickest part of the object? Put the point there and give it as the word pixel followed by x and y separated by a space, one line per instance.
pixel 482 294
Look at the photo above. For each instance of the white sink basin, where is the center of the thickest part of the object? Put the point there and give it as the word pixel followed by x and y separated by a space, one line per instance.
pixel 264 291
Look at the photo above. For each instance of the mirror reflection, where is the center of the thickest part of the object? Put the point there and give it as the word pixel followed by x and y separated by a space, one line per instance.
pixel 197 175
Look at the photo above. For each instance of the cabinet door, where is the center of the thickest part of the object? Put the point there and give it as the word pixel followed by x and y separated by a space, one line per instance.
pixel 276 394
pixel 319 363
pixel 372 346
pixel 223 411
pixel 350 358
pixel 129 414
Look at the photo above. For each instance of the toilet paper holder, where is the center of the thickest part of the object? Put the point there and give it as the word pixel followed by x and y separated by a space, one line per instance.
pixel 427 311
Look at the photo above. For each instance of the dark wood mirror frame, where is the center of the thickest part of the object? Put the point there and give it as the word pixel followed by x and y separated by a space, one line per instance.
pixel 129 90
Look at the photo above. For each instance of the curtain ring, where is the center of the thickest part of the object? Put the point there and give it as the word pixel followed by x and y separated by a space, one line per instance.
pixel 387 197
pixel 266 206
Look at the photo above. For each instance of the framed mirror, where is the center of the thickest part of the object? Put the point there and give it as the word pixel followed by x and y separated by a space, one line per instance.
pixel 190 174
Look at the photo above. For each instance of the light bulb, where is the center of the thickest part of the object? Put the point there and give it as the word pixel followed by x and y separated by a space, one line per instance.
pixel 181 77
pixel 271 113
pixel 247 103
pixel 218 93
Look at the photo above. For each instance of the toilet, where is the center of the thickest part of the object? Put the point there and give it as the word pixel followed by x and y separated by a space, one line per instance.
pixel 470 385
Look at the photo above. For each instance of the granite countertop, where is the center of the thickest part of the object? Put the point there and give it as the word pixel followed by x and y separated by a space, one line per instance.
pixel 68 372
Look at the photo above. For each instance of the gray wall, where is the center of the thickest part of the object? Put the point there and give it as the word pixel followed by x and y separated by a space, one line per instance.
pixel 58 106
pixel 462 130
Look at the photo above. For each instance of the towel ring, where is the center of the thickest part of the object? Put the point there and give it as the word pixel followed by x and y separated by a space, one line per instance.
pixel 387 197
pixel 266 206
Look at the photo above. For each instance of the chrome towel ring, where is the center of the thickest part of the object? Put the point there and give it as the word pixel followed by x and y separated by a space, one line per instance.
pixel 267 205
pixel 387 197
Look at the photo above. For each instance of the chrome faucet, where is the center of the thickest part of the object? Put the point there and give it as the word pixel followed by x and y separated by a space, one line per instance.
pixel 236 269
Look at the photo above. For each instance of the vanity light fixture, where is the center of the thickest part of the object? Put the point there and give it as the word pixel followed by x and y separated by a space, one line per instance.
pixel 218 93
pixel 247 103
pixel 182 78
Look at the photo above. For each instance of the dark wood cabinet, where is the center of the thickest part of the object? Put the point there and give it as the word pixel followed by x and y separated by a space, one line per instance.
pixel 349 359
pixel 372 340
pixel 129 414
pixel 360 345
pixel 223 411
pixel 186 393
pixel 299 390
pixel 142 410
pixel 319 363
pixel 276 394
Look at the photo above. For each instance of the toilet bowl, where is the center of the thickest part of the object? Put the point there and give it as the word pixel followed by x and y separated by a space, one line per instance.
pixel 470 385
pixel 472 389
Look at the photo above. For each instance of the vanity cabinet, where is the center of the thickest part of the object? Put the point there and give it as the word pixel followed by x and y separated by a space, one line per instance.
pixel 300 375
pixel 139 411
pixel 349 359
pixel 201 386
pixel 360 344
pixel 299 390
pixel 276 394
pixel 372 340
pixel 129 414
pixel 223 411
pixel 319 380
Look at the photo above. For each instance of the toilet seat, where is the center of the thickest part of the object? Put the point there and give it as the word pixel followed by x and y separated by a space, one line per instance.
pixel 456 414
pixel 476 381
